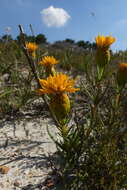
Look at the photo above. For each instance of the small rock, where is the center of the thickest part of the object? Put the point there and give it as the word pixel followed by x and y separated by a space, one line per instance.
pixel 1 185
pixel 6 77
pixel 16 183
pixel 4 169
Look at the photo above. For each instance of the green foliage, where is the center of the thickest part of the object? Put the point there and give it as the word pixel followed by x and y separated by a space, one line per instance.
pixel 68 40
pixel 40 39
pixel 86 45
pixel 28 38
pixel 94 149
pixel 16 80
pixel 6 38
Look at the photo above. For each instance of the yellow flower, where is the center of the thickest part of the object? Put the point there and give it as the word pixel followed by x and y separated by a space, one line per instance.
pixel 48 61
pixel 104 42
pixel 31 47
pixel 123 67
pixel 56 84
pixel 122 74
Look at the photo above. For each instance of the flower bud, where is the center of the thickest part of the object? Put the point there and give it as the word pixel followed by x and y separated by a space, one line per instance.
pixel 60 105
pixel 122 74
pixel 102 57
pixel 50 70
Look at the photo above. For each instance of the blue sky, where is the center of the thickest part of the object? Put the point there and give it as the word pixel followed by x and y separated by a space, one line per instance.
pixel 78 19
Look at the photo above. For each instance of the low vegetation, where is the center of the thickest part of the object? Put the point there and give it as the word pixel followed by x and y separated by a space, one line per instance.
pixel 83 86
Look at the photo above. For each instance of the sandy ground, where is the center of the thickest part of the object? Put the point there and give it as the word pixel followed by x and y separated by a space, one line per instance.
pixel 24 149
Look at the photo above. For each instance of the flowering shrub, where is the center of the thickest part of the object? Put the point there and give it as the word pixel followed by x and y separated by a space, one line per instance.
pixel 93 146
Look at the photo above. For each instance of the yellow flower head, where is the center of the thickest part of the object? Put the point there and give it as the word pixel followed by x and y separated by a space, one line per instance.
pixel 123 67
pixel 48 61
pixel 104 42
pixel 57 84
pixel 31 47
pixel 122 74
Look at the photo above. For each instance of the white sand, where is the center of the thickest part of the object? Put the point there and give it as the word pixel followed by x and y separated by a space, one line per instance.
pixel 26 152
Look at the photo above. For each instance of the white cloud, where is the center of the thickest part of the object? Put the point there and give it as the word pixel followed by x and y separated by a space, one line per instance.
pixel 54 17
